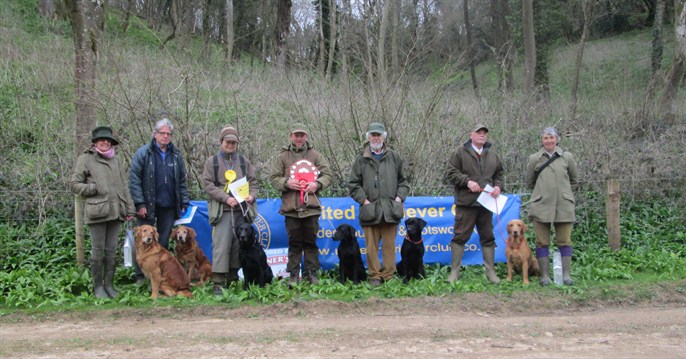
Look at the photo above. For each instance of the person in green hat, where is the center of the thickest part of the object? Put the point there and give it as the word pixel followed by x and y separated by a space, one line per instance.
pixel 100 178
pixel 300 172
pixel 377 182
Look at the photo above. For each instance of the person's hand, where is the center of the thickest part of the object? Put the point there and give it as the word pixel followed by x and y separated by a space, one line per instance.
pixel 293 184
pixel 397 199
pixel 129 218
pixel 473 186
pixel 366 202
pixel 142 212
pixel 232 202
pixel 496 192
pixel 250 199
pixel 310 187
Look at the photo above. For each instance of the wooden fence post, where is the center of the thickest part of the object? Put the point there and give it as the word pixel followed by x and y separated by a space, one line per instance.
pixel 78 230
pixel 612 207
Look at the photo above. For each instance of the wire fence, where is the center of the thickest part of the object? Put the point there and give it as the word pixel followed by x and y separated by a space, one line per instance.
pixel 38 205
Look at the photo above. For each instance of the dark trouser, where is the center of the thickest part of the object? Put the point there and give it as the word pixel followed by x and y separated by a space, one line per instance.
pixel 468 217
pixel 104 237
pixel 165 217
pixel 302 239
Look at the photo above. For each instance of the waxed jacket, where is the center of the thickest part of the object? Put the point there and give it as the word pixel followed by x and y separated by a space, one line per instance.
pixel 291 206
pixel 465 165
pixel 552 199
pixel 379 182
pixel 102 182
pixel 142 179
pixel 217 191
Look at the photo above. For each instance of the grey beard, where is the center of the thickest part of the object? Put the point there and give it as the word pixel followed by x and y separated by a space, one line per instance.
pixel 376 147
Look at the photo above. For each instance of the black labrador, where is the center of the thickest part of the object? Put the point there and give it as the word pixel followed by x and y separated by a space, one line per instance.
pixel 411 264
pixel 253 259
pixel 349 257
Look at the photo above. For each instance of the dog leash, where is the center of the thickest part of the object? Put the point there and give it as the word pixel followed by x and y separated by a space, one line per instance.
pixel 407 238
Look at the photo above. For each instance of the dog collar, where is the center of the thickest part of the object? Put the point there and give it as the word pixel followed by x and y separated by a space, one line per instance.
pixel 407 237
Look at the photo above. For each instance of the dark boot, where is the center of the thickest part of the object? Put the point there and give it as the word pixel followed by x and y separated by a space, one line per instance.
pixel 567 270
pixel 232 277
pixel 293 279
pixel 218 283
pixel 96 271
pixel 457 252
pixel 312 277
pixel 489 264
pixel 110 268
pixel 544 267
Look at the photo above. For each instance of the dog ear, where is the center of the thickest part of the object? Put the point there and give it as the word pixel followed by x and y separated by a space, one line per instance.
pixel 422 223
pixel 155 235
pixel 524 227
pixel 351 231
pixel 191 232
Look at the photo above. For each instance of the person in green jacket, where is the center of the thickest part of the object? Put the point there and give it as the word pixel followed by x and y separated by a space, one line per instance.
pixel 378 183
pixel 100 178
pixel 471 167
pixel 300 203
pixel 551 173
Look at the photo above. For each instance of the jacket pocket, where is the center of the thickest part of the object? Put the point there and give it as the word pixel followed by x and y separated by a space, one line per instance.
pixel 97 207
pixel 214 211
pixel 397 210
pixel 568 196
pixel 368 212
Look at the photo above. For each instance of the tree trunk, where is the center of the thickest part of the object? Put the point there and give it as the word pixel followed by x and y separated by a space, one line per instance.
pixel 655 60
pixel 87 21
pixel 283 25
pixel 395 32
pixel 470 50
pixel 503 46
pixel 47 8
pixel 381 51
pixel 228 20
pixel 333 31
pixel 127 15
pixel 678 69
pixel 588 20
pixel 529 45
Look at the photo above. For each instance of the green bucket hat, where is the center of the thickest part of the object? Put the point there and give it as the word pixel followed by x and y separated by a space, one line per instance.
pixel 103 132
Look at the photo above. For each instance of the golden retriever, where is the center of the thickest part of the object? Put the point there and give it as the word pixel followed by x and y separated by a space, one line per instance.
pixel 190 255
pixel 164 271
pixel 518 254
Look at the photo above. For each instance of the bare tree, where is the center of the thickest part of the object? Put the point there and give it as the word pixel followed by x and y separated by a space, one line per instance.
pixel 283 25
pixel 333 31
pixel 655 59
pixel 228 21
pixel 395 34
pixel 588 20
pixel 470 50
pixel 500 9
pixel 678 69
pixel 381 51
pixel 529 45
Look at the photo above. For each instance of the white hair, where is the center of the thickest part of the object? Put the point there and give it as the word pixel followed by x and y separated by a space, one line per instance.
pixel 164 122
pixel 550 131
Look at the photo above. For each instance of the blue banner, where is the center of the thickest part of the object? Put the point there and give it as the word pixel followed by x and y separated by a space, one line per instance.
pixel 438 212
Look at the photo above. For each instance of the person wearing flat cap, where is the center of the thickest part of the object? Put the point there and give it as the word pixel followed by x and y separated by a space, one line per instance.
pixel 100 179
pixel 226 213
pixel 157 181
pixel 378 184
pixel 300 173
pixel 471 167
pixel 551 174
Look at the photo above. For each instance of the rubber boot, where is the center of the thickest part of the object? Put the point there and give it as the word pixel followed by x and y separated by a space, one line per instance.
pixel 293 279
pixel 544 267
pixel 110 268
pixel 567 271
pixel 457 253
pixel 218 283
pixel 312 277
pixel 96 271
pixel 489 264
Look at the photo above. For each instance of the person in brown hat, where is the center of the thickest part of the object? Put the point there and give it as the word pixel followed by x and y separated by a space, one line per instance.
pixel 100 178
pixel 300 172
pixel 471 167
pixel 225 211
pixel 158 186
pixel 377 182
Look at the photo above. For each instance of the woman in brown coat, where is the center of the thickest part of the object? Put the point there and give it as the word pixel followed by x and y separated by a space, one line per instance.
pixel 101 180
pixel 551 173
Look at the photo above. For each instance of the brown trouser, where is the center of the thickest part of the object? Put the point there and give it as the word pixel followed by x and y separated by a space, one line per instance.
pixel 302 239
pixel 385 233
pixel 563 233
pixel 468 217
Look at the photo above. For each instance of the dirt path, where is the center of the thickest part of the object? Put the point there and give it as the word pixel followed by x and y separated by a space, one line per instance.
pixel 477 325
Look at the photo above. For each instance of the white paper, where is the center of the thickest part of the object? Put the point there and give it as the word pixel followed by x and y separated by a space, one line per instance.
pixel 235 185
pixel 494 205
pixel 188 217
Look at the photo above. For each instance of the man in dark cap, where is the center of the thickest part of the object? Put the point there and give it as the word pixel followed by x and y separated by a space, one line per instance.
pixel 471 167
pixel 299 172
pixel 378 183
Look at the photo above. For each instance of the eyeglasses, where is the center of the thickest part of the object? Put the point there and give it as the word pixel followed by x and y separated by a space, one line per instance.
pixel 166 134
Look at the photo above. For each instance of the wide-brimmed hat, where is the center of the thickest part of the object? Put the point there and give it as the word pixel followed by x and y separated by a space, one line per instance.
pixel 479 126
pixel 376 127
pixel 229 133
pixel 103 132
